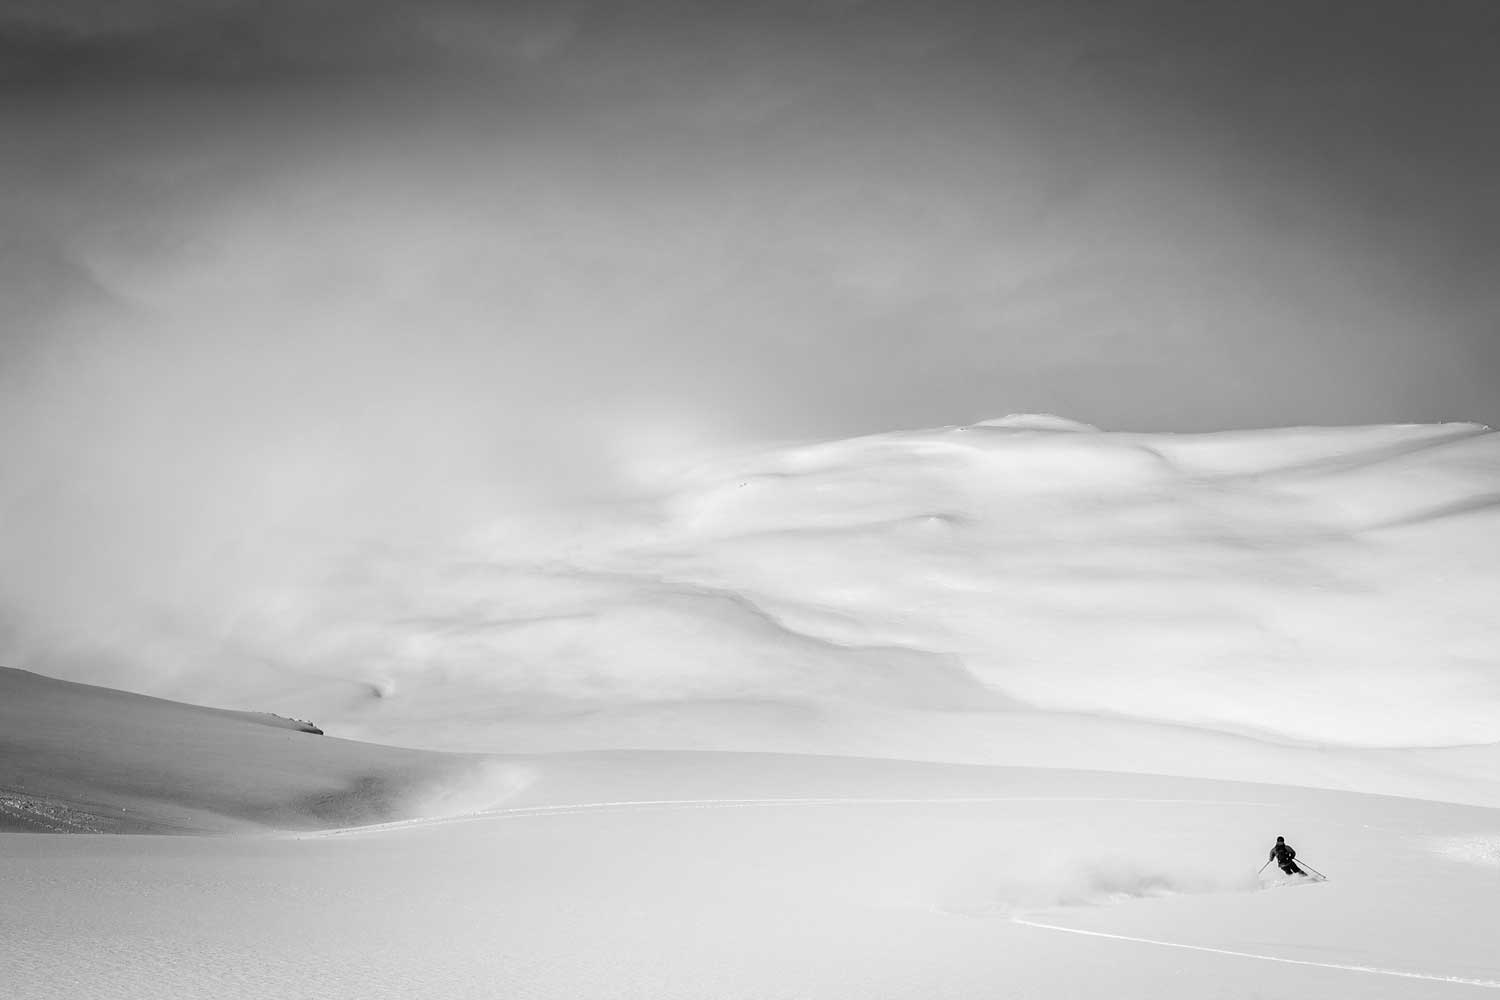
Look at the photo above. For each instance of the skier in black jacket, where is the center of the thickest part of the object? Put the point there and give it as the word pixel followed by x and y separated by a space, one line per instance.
pixel 1284 854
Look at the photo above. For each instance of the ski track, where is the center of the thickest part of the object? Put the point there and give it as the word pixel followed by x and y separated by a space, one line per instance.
pixel 579 808
pixel 575 808
pixel 1369 969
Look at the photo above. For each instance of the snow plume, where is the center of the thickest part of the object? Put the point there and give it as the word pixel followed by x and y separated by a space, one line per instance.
pixel 1045 880
pixel 484 784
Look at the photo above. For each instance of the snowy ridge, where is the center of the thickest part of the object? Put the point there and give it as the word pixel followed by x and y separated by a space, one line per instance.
pixel 78 758
pixel 960 593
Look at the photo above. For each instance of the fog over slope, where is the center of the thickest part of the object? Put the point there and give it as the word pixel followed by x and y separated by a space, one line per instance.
pixel 969 593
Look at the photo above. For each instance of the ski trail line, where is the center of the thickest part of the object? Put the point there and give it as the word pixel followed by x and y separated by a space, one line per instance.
pixel 573 808
pixel 1489 984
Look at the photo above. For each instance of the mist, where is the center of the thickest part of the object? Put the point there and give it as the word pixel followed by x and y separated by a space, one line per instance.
pixel 289 286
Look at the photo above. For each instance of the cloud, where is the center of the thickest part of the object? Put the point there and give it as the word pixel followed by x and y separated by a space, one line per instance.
pixel 288 278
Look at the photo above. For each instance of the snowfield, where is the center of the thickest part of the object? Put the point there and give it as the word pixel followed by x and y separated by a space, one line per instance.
pixel 742 875
pixel 1014 709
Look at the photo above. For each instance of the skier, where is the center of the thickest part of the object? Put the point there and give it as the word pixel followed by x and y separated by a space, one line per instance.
pixel 1284 854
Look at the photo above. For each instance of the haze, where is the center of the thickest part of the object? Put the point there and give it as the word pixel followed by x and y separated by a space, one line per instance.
pixel 287 281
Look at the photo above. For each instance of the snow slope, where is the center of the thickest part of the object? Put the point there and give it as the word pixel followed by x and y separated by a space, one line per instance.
pixel 1013 709
pixel 81 758
pixel 657 875
pixel 679 874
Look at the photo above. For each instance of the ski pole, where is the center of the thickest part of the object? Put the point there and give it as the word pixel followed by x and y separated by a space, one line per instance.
pixel 1311 868
pixel 1263 867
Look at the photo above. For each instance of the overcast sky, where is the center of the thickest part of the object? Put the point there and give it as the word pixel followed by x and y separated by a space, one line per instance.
pixel 280 269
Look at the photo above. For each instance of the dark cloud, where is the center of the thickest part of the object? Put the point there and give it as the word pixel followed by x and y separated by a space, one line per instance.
pixel 79 46
pixel 990 176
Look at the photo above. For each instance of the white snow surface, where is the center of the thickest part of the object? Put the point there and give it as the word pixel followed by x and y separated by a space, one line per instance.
pixel 1013 709
pixel 652 874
